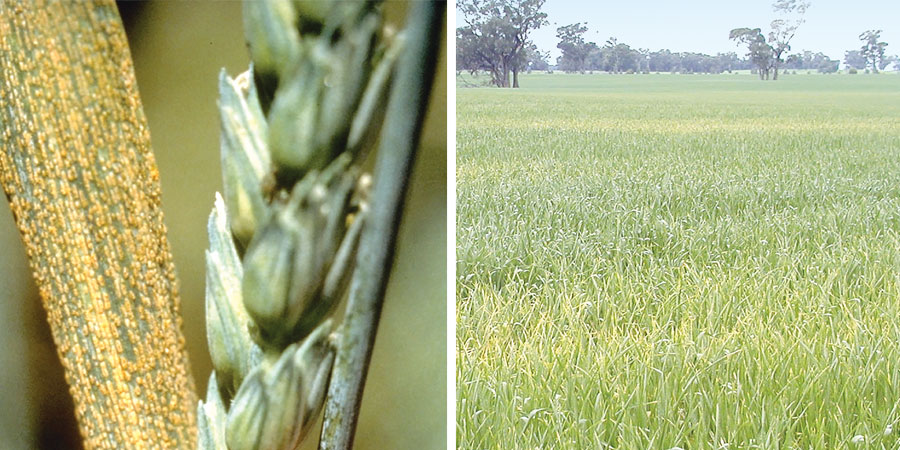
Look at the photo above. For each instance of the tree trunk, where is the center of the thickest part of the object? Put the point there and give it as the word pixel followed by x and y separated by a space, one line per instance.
pixel 76 166
pixel 505 68
pixel 497 75
pixel 515 73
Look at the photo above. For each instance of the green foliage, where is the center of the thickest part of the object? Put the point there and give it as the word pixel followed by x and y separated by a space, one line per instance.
pixel 873 50
pixel 660 262
pixel 814 61
pixel 854 59
pixel 535 59
pixel 768 54
pixel 617 55
pixel 574 49
pixel 495 36
pixel 758 50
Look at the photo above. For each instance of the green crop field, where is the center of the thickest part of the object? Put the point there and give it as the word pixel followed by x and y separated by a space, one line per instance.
pixel 679 261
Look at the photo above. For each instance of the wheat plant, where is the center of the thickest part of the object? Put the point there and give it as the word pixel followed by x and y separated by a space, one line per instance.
pixel 284 236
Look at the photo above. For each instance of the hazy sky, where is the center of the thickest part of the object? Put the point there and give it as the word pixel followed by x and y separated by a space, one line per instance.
pixel 832 26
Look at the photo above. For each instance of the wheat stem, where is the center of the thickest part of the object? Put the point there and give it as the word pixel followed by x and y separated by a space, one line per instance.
pixel 404 117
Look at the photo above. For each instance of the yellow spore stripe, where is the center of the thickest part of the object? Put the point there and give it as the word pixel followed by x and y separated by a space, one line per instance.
pixel 77 168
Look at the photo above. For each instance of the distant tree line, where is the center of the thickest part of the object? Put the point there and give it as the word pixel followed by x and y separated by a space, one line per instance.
pixel 619 57
pixel 495 40
pixel 812 61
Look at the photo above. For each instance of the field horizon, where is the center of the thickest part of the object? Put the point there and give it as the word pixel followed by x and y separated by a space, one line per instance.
pixel 679 262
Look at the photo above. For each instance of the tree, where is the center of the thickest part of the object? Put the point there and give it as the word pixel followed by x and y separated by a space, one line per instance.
pixel 854 59
pixel 467 58
pixel 496 35
pixel 574 50
pixel 663 61
pixel 758 50
pixel 812 61
pixel 768 54
pixel 535 59
pixel 873 50
pixel 612 56
pixel 620 57
pixel 643 60
pixel 828 65
pixel 689 62
pixel 783 29
pixel 726 62
pixel 596 59
pixel 483 48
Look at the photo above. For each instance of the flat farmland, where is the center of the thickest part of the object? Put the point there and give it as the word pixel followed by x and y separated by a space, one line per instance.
pixel 679 261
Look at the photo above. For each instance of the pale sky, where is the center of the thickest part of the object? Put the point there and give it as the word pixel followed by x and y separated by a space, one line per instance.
pixel 832 26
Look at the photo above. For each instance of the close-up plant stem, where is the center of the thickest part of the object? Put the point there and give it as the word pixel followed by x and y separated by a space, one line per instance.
pixel 400 139
pixel 83 185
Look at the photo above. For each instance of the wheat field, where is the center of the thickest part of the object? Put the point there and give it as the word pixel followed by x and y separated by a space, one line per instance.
pixel 671 261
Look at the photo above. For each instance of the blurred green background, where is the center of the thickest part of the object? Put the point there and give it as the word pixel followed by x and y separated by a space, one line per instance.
pixel 178 49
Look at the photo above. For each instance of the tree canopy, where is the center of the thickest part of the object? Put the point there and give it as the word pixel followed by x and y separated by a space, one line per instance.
pixel 574 50
pixel 758 50
pixel 768 53
pixel 495 36
pixel 854 60
pixel 872 50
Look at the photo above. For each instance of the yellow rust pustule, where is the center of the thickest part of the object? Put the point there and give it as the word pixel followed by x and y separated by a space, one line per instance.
pixel 77 168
